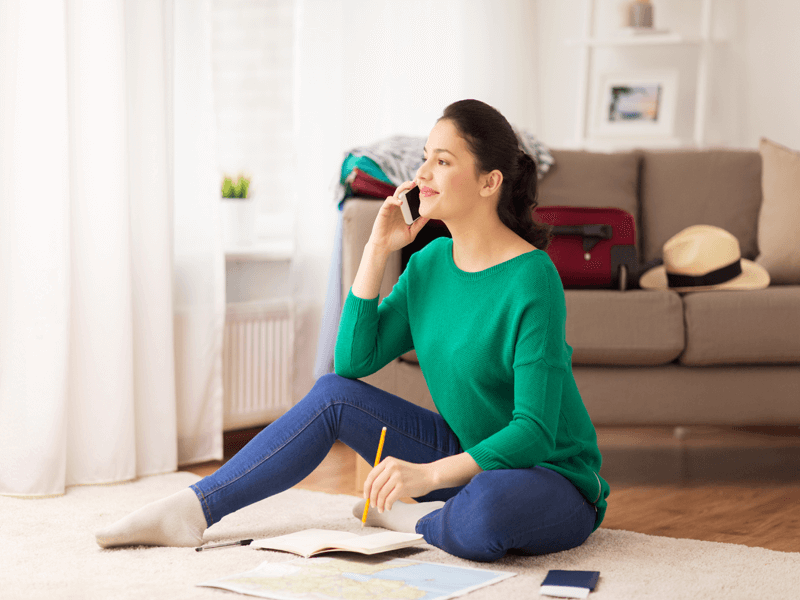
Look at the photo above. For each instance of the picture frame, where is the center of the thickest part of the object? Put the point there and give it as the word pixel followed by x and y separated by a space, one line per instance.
pixel 635 105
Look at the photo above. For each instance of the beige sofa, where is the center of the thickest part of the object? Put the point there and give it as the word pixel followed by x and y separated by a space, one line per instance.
pixel 647 356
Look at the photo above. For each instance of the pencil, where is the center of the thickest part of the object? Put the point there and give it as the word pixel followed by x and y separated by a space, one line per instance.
pixel 377 460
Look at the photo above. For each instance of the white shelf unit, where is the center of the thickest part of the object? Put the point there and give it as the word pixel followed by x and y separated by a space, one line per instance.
pixel 653 39
pixel 590 42
pixel 262 251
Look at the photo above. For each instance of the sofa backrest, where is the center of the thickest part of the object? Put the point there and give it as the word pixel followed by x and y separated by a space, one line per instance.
pixel 679 188
pixel 665 190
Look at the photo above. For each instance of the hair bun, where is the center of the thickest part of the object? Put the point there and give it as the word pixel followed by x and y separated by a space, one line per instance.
pixel 523 158
pixel 525 162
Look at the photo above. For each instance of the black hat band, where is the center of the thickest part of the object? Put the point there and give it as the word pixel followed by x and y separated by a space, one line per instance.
pixel 713 278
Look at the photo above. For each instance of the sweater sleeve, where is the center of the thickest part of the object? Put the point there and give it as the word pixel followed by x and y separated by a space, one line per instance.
pixel 371 335
pixel 530 438
pixel 541 363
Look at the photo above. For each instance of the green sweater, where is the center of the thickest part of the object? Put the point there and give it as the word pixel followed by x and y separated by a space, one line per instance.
pixel 492 348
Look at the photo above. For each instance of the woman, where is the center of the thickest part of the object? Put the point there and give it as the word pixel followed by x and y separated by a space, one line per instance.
pixel 510 463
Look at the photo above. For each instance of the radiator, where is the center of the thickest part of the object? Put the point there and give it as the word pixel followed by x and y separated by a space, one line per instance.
pixel 257 352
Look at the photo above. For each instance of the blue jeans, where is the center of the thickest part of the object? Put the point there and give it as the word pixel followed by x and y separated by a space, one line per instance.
pixel 524 511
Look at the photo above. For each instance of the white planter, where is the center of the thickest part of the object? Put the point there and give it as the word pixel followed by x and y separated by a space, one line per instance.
pixel 238 222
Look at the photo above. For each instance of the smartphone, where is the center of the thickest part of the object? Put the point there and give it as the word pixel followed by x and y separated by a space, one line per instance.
pixel 410 206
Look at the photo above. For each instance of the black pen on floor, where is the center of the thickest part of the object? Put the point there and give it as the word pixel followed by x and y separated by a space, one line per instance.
pixel 224 545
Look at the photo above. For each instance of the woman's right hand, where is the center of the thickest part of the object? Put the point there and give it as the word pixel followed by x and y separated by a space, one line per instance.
pixel 390 232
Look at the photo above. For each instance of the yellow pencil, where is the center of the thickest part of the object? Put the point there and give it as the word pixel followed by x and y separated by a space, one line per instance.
pixel 377 460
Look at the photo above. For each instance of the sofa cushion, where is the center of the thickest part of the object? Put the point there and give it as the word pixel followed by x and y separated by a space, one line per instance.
pixel 742 327
pixel 635 327
pixel 778 239
pixel 718 187
pixel 584 178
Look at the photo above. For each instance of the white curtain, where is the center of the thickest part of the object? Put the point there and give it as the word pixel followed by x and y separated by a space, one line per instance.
pixel 100 326
pixel 199 255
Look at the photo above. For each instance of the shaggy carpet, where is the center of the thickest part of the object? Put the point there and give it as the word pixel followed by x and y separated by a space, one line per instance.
pixel 47 550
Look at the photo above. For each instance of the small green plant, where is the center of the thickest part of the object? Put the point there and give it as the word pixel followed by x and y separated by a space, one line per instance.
pixel 235 190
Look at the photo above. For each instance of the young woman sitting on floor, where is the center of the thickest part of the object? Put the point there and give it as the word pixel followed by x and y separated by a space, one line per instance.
pixel 510 462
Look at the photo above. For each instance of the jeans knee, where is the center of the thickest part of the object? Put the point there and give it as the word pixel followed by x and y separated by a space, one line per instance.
pixel 329 386
pixel 473 529
pixel 483 540
pixel 330 394
pixel 329 380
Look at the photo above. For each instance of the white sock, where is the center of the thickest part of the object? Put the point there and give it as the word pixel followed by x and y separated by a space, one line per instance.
pixel 176 520
pixel 402 517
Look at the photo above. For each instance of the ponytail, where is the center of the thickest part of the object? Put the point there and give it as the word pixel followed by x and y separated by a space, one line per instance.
pixel 517 201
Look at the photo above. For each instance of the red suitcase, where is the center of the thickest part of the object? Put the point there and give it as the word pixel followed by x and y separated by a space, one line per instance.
pixel 591 247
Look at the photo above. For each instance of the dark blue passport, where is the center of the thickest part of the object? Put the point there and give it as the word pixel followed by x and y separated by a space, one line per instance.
pixel 569 584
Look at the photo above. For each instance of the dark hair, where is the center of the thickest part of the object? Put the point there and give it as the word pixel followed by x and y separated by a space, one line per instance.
pixel 493 143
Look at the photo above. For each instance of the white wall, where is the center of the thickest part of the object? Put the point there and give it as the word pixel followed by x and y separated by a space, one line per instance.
pixel 558 69
pixel 405 60
pixel 754 87
pixel 770 49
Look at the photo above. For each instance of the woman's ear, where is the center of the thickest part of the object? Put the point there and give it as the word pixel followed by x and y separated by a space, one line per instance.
pixel 491 183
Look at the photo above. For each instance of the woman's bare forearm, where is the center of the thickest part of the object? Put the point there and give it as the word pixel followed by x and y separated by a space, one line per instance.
pixel 367 283
pixel 453 471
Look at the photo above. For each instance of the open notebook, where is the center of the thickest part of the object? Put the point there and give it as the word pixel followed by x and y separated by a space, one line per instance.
pixel 316 541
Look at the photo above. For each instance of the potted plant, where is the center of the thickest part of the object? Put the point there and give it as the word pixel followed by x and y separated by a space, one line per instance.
pixel 238 211
pixel 235 190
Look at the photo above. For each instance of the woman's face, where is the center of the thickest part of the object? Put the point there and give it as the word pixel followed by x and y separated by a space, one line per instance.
pixel 448 182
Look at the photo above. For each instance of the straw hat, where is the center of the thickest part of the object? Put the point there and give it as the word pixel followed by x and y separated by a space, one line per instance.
pixel 704 257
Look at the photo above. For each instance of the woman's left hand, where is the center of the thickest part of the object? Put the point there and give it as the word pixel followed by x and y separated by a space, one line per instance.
pixel 393 479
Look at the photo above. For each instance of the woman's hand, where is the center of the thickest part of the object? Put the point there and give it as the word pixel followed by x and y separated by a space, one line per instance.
pixel 390 232
pixel 393 479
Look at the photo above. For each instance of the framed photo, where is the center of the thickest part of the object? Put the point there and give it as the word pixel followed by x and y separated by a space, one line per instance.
pixel 635 105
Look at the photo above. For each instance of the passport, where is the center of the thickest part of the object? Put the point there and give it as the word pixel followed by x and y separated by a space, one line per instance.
pixel 569 584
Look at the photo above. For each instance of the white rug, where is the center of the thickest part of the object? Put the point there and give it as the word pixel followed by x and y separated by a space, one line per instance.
pixel 47 550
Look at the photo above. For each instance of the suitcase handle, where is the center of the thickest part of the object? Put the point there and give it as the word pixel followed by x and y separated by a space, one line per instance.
pixel 591 233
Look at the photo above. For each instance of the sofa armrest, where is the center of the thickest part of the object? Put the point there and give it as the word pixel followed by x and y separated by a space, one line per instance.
pixel 358 217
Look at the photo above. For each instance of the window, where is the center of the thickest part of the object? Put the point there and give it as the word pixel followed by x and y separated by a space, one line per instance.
pixel 253 70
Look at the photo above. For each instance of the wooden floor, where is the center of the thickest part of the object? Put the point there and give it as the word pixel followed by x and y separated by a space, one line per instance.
pixel 735 485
